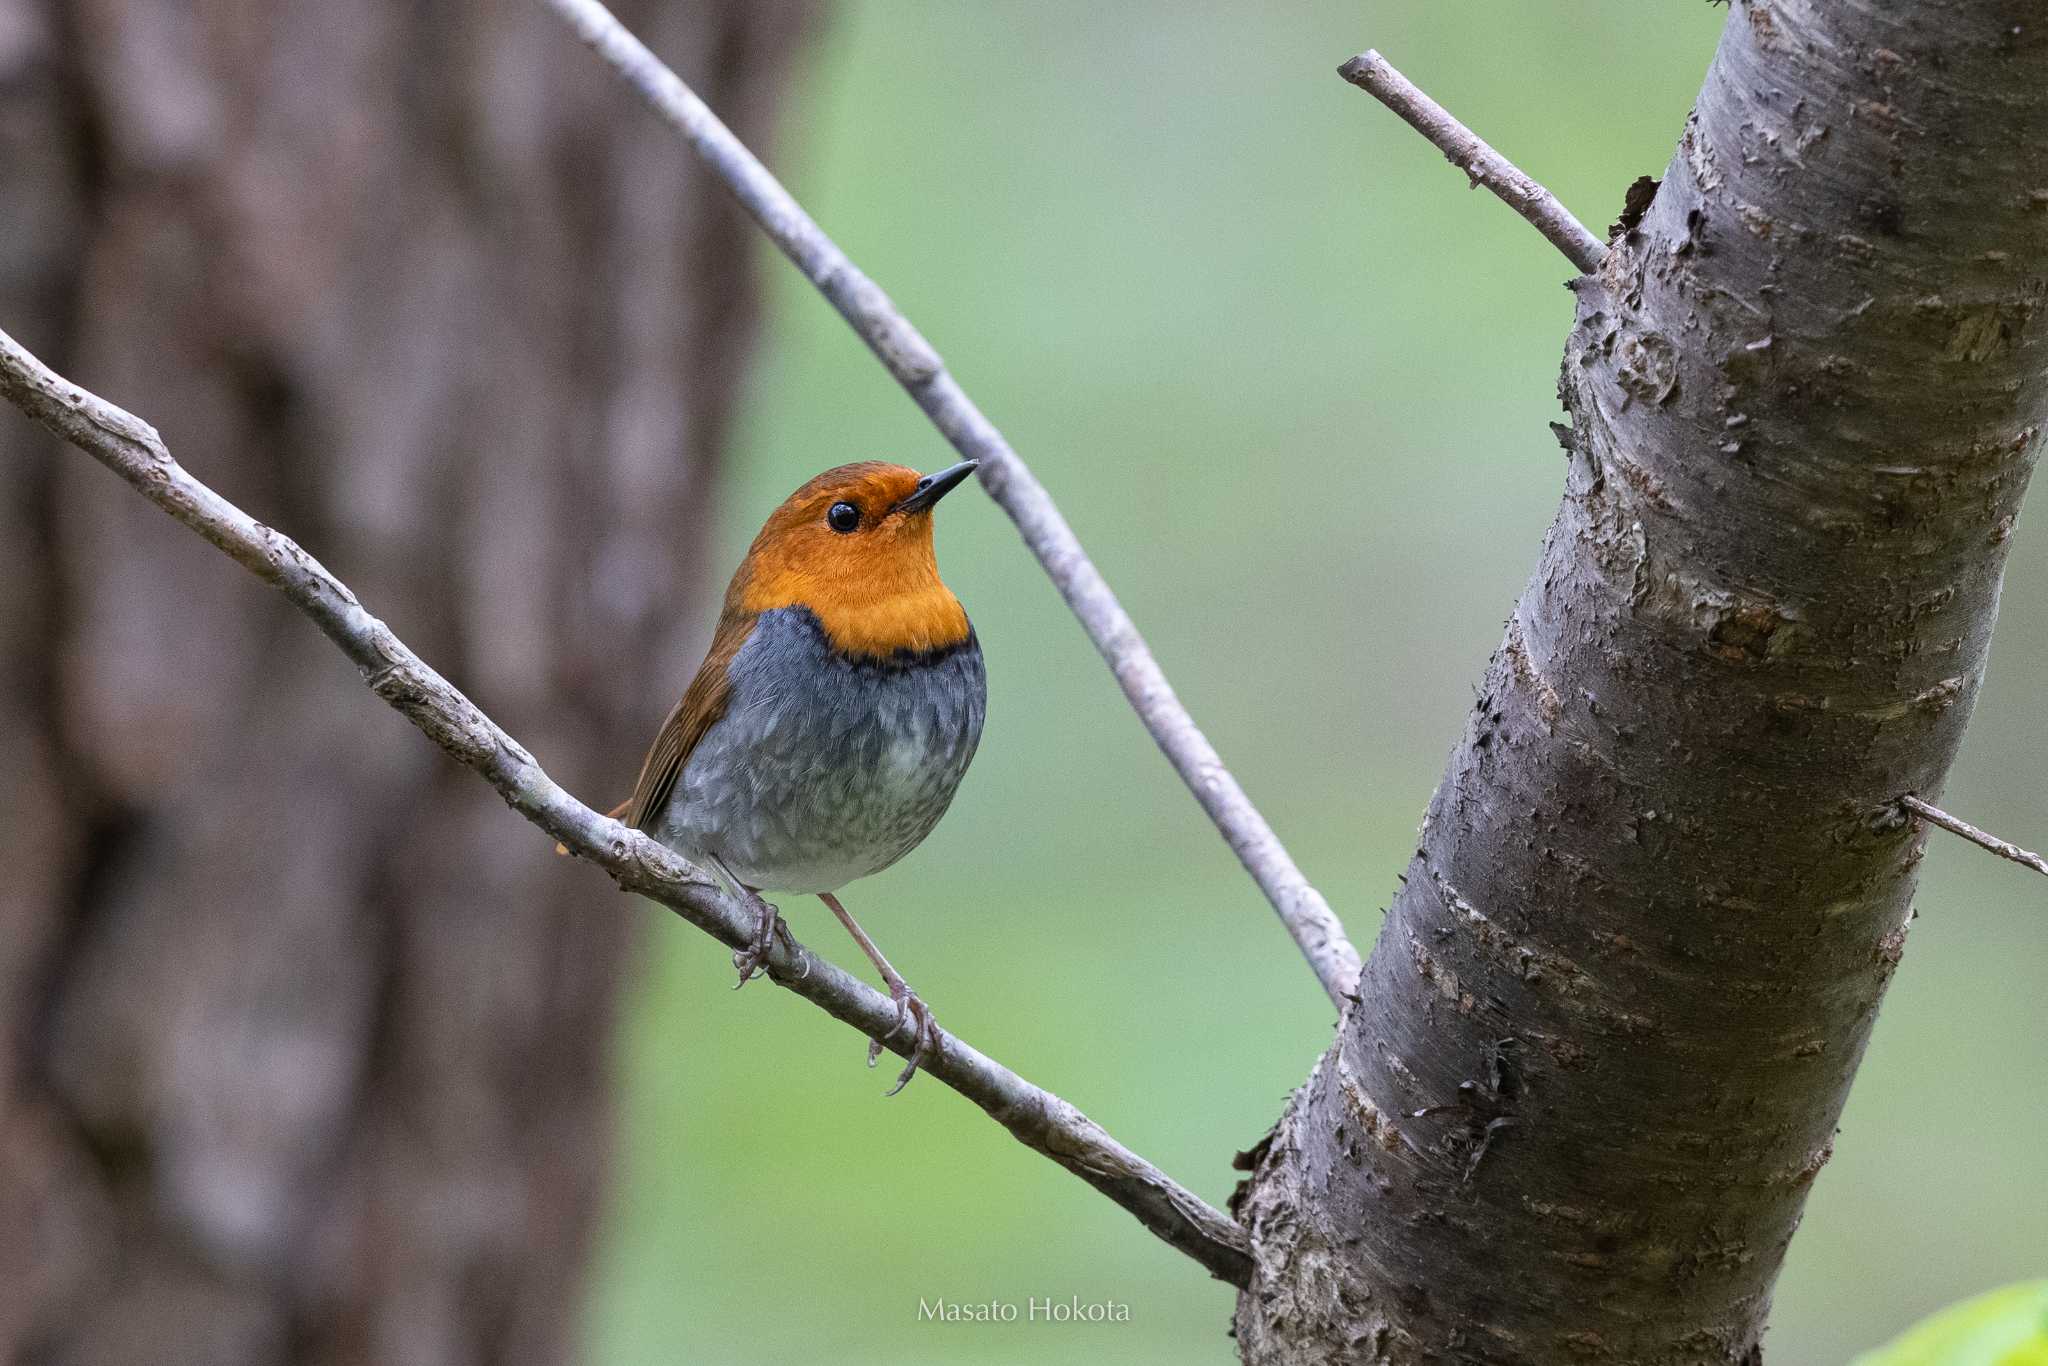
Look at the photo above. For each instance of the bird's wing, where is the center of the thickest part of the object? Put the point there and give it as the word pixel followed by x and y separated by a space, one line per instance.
pixel 704 701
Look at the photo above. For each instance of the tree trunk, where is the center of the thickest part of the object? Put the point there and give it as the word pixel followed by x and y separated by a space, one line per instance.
pixel 306 1037
pixel 1608 1026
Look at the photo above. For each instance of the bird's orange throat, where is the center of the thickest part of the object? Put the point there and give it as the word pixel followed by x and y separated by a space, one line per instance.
pixel 873 600
pixel 903 623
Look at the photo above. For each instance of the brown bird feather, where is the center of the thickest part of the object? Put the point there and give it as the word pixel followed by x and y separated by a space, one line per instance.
pixel 703 702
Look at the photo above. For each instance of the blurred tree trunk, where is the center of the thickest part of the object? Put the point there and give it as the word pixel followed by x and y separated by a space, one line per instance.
pixel 306 1038
pixel 1603 1039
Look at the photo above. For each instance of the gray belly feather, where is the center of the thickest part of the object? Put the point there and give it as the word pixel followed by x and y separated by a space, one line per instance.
pixel 825 770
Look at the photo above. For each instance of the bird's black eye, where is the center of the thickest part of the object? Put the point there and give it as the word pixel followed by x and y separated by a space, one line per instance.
pixel 843 517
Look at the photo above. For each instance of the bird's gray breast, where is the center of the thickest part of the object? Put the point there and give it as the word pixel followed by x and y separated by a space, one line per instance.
pixel 825 769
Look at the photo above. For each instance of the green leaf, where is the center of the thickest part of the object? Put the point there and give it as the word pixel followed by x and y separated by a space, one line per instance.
pixel 2007 1327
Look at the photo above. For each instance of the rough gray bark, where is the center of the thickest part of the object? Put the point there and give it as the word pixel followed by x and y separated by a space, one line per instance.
pixel 1604 1036
pixel 410 280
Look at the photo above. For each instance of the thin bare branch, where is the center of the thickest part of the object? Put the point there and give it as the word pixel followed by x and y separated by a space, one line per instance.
pixel 1933 814
pixel 1037 1118
pixel 913 363
pixel 1482 165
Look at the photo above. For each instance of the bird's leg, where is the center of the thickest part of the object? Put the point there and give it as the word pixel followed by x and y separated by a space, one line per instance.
pixel 908 1004
pixel 752 959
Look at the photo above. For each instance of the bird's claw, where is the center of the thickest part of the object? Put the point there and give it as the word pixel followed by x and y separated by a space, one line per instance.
pixel 753 959
pixel 911 1009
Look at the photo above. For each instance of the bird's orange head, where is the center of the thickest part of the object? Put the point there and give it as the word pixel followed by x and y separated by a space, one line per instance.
pixel 855 547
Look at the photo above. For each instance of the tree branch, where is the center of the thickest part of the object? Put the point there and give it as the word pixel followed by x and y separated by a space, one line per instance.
pixel 1927 811
pixel 913 363
pixel 1035 1117
pixel 1482 165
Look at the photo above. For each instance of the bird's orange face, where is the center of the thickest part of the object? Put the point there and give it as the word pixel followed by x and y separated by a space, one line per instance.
pixel 855 547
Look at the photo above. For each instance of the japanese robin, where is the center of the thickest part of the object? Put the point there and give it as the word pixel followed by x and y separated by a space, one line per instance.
pixel 833 716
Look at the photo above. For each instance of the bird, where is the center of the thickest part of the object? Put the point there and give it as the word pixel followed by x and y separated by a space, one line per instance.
pixel 835 713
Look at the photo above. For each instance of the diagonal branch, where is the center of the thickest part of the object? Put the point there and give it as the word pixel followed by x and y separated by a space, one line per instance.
pixel 1036 1118
pixel 1983 839
pixel 913 363
pixel 1466 150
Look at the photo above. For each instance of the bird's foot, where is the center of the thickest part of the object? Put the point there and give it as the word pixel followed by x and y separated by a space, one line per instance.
pixel 911 1010
pixel 753 959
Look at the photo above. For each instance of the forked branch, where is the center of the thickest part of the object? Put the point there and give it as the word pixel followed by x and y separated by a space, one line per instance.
pixel 913 363
pixel 1035 1117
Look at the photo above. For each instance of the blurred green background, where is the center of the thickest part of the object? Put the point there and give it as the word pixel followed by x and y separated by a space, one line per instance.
pixel 1289 379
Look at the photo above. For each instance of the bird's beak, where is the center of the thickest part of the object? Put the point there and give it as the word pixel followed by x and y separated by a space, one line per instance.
pixel 933 487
